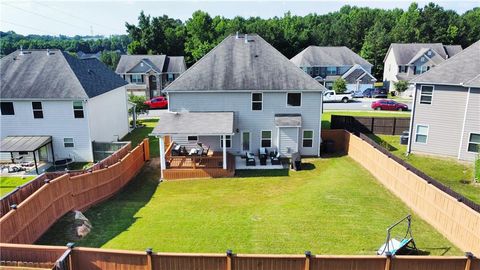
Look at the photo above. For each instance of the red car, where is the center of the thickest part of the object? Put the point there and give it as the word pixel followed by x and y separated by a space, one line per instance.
pixel 157 103
pixel 389 105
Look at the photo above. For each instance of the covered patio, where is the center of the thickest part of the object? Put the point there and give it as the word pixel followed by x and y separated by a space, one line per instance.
pixel 179 160
pixel 23 145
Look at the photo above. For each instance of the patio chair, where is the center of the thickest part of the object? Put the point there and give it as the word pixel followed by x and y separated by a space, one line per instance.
pixel 250 159
pixel 205 152
pixel 275 158
pixel 176 149
pixel 262 155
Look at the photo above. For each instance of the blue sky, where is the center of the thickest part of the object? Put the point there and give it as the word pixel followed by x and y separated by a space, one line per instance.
pixel 109 17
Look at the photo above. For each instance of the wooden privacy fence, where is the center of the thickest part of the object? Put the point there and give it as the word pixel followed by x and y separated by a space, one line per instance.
pixel 376 125
pixel 105 259
pixel 32 217
pixel 454 219
pixel 22 192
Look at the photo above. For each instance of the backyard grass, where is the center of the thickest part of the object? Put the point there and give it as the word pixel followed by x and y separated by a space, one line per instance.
pixel 9 183
pixel 141 133
pixel 457 175
pixel 327 115
pixel 333 207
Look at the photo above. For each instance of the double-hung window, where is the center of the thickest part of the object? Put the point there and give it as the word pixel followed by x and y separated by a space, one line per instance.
pixel 68 142
pixel 331 70
pixel 7 108
pixel 266 138
pixel 421 135
pixel 474 143
pixel 294 99
pixel 307 139
pixel 426 94
pixel 78 109
pixel 136 78
pixel 37 109
pixel 170 77
pixel 257 101
pixel 228 141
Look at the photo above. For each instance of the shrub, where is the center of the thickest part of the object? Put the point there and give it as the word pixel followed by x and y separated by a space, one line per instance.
pixel 340 85
pixel 139 103
pixel 400 86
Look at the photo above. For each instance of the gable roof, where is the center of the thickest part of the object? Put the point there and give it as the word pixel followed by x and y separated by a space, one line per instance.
pixel 159 63
pixel 356 73
pixel 238 65
pixel 57 75
pixel 406 52
pixel 461 69
pixel 328 56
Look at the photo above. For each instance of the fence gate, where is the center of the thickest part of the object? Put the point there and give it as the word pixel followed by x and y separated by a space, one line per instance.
pixel 102 150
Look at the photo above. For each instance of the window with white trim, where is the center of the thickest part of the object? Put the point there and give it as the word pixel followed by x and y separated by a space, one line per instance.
pixel 68 142
pixel 136 78
pixel 257 101
pixel 37 109
pixel 307 139
pixel 426 94
pixel 78 109
pixel 228 141
pixel 266 138
pixel 294 99
pixel 421 134
pixel 474 143
pixel 331 70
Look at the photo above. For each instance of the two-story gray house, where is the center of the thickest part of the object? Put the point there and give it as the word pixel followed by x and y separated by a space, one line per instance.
pixel 327 64
pixel 149 74
pixel 446 111
pixel 244 95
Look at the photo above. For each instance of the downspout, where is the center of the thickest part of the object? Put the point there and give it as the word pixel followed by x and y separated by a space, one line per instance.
pixel 320 124
pixel 412 117
pixel 464 122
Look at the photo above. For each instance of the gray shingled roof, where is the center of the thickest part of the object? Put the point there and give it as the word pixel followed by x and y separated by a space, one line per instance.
pixel 194 123
pixel 236 65
pixel 159 63
pixel 56 76
pixel 405 52
pixel 463 68
pixel 328 56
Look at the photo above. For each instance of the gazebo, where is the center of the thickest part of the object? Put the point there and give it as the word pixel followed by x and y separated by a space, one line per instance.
pixel 28 144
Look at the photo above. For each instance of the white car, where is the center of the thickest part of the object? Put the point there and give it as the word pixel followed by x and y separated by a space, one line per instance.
pixel 331 96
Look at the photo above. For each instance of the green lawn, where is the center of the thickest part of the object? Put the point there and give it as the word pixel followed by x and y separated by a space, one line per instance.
pixel 142 132
pixel 9 183
pixel 457 175
pixel 333 207
pixel 327 115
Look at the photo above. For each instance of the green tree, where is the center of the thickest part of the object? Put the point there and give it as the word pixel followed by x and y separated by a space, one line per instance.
pixel 200 36
pixel 139 102
pixel 406 29
pixel 110 59
pixel 340 85
pixel 400 86
pixel 375 47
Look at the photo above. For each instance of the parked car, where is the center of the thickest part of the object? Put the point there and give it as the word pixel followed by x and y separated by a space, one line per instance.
pixel 380 93
pixel 389 105
pixel 331 96
pixel 368 92
pixel 157 103
pixel 358 94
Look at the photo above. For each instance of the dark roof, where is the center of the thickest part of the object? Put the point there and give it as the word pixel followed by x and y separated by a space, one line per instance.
pixel 55 76
pixel 159 63
pixel 238 65
pixel 328 56
pixel 461 69
pixel 288 120
pixel 195 123
pixel 405 52
pixel 23 143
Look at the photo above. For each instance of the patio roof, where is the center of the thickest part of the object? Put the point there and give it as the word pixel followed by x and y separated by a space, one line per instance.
pixel 23 143
pixel 288 120
pixel 195 123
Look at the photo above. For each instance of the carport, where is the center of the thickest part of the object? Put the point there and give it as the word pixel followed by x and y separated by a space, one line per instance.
pixel 11 144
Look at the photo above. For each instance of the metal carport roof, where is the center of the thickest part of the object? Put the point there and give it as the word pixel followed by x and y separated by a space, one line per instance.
pixel 23 143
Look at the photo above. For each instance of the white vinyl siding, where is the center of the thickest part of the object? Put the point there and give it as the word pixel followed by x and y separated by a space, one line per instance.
pixel 288 140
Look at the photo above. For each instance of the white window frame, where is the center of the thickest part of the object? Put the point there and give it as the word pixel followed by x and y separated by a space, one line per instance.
pixel 421 93
pixel 74 110
pixel 136 81
pixel 468 143
pixel 251 101
pixel 271 138
pixel 73 143
pixel 303 137
pixel 291 106
pixel 227 138
pixel 249 140
pixel 426 135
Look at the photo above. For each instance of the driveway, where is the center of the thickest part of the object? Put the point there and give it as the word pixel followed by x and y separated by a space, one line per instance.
pixel 359 104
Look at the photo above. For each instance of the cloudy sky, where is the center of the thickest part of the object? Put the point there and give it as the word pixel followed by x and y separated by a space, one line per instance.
pixel 109 17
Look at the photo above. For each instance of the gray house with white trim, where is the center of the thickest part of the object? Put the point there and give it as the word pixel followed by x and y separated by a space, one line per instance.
pixel 273 103
pixel 446 108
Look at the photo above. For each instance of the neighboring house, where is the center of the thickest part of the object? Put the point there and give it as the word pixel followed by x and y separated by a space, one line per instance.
pixel 407 61
pixel 82 55
pixel 327 64
pixel 149 74
pixel 446 111
pixel 59 103
pixel 247 92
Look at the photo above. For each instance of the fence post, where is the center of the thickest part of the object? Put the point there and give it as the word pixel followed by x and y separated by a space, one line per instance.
pixel 149 265
pixel 394 126
pixel 468 263
pixel 308 256
pixel 146 149
pixel 229 259
pixel 388 261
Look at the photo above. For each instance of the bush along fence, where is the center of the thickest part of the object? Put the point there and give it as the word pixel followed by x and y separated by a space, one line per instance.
pixel 28 220
pixel 18 195
pixel 72 258
pixel 376 125
pixel 457 218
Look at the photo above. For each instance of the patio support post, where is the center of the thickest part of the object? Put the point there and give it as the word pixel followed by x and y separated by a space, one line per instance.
pixel 224 152
pixel 161 143
pixel 35 161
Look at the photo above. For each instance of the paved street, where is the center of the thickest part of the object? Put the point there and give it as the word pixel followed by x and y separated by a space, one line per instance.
pixel 360 104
